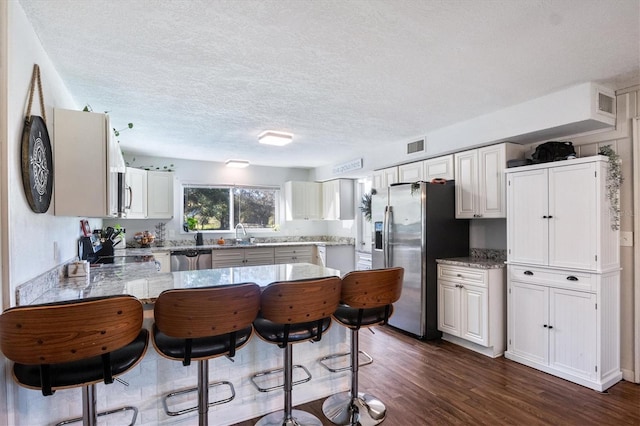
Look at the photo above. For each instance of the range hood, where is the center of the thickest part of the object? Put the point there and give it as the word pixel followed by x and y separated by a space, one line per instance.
pixel 579 109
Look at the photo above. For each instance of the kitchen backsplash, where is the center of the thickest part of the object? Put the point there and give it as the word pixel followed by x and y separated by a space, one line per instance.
pixel 497 255
pixel 287 239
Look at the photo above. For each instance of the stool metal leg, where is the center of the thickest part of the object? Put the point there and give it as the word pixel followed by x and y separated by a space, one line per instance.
pixel 289 416
pixel 203 393
pixel 354 408
pixel 89 415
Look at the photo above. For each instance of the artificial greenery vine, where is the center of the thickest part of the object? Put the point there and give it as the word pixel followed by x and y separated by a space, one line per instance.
pixel 614 181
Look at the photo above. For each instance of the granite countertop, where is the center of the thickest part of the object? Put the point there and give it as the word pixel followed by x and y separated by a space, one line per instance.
pixel 249 245
pixel 142 279
pixel 473 262
pixel 479 258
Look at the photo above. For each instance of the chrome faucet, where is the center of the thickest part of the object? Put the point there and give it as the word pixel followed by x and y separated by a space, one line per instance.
pixel 240 225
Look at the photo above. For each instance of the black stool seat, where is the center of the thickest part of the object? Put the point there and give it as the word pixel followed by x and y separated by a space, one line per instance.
pixel 299 332
pixel 201 347
pixel 89 370
pixel 356 318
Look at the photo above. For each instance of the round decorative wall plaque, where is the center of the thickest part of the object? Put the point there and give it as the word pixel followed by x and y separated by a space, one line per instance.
pixel 37 164
pixel 37 158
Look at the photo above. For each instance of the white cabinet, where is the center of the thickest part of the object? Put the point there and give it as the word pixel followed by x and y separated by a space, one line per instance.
pixel 363 261
pixel 229 257
pixel 85 152
pixel 382 179
pixel 411 172
pixel 303 200
pixel 558 328
pixel 480 181
pixel 338 199
pixel 294 254
pixel 471 307
pixel 163 258
pixel 555 217
pixel 563 272
pixel 438 168
pixel 340 257
pixel 159 195
pixel 149 194
pixel 136 196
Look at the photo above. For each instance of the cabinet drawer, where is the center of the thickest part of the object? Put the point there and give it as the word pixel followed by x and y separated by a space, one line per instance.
pixel 462 274
pixel 264 254
pixel 554 278
pixel 294 251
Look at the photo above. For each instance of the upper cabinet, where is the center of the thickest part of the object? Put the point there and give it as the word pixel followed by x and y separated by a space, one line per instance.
pixel 159 195
pixel 303 200
pixel 338 199
pixel 136 195
pixel 559 216
pixel 480 181
pixel 382 179
pixel 85 151
pixel 411 172
pixel 149 194
pixel 438 168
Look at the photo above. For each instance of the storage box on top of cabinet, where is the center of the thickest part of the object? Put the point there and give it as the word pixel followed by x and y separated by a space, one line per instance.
pixel 85 150
pixel 563 277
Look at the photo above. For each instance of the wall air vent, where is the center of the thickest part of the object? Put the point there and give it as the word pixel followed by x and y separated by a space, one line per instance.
pixel 606 103
pixel 417 146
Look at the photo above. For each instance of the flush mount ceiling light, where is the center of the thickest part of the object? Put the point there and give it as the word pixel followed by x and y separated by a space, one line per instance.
pixel 272 137
pixel 238 164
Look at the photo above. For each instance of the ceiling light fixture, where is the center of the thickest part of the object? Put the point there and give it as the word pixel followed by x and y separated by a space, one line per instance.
pixel 272 137
pixel 238 164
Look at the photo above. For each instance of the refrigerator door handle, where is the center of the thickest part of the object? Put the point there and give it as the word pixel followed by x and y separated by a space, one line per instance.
pixel 386 251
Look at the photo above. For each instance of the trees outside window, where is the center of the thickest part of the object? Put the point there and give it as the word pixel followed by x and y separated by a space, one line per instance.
pixel 222 208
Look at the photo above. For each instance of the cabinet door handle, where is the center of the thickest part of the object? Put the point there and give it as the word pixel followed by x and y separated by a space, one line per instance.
pixel 550 327
pixel 545 325
pixel 545 217
pixel 550 217
pixel 528 273
pixel 459 275
pixel 572 278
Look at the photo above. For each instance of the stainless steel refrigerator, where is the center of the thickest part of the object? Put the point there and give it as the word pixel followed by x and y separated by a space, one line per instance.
pixel 413 225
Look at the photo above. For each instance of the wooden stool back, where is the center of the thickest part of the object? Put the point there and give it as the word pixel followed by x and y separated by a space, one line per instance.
pixel 70 331
pixel 291 302
pixel 372 288
pixel 204 312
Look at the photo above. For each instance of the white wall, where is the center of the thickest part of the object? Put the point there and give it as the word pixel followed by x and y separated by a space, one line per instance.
pixel 31 236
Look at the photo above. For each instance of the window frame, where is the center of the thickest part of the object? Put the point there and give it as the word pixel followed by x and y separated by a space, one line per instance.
pixel 277 203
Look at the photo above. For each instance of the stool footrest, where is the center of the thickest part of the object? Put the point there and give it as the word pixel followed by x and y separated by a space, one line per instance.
pixel 368 360
pixel 257 376
pixel 168 396
pixel 106 413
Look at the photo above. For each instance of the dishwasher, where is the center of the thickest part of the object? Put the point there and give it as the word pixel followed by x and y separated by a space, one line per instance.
pixel 190 259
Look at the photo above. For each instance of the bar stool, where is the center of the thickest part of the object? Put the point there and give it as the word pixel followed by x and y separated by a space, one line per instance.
pixel 293 312
pixel 200 324
pixel 75 344
pixel 367 300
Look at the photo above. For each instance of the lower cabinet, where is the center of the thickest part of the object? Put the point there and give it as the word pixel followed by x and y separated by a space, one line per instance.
pixel 229 257
pixel 565 323
pixel 363 261
pixel 163 259
pixel 340 257
pixel 471 307
pixel 294 254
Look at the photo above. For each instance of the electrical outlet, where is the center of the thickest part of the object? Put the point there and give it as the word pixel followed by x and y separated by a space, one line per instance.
pixel 626 239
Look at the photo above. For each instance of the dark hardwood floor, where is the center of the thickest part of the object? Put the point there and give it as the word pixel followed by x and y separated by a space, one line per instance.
pixel 439 383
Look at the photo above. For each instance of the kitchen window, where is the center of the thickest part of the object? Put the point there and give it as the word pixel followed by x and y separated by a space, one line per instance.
pixel 221 208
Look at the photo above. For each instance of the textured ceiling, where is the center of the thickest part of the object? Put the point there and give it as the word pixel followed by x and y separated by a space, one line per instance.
pixel 201 79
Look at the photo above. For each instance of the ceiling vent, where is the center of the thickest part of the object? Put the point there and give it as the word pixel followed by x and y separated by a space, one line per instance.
pixel 417 146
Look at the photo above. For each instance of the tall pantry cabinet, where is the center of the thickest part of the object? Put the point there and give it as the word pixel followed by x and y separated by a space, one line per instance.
pixel 563 272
